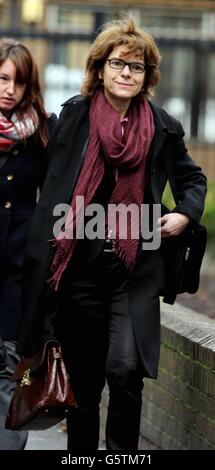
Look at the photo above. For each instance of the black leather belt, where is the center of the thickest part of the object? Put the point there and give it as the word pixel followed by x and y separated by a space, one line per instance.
pixel 109 246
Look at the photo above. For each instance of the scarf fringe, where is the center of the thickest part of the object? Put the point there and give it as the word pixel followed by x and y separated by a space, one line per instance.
pixel 54 280
pixel 59 263
pixel 120 252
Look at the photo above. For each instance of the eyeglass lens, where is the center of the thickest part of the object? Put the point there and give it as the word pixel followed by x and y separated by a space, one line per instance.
pixel 119 64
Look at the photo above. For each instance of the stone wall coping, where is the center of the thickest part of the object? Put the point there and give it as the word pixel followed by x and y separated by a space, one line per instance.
pixel 189 324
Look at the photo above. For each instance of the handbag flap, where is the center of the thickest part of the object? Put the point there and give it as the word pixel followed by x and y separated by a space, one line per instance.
pixel 33 363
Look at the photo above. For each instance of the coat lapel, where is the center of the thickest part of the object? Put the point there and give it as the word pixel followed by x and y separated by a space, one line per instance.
pixel 74 144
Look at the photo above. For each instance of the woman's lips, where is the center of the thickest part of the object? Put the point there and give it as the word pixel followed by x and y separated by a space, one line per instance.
pixel 9 100
pixel 127 85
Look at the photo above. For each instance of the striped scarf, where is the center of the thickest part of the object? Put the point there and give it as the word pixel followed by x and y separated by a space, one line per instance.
pixel 13 130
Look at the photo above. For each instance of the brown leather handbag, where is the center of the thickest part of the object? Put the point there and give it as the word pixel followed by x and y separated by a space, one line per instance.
pixel 43 394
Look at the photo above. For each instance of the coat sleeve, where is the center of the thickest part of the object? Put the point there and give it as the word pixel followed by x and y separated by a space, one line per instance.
pixel 190 182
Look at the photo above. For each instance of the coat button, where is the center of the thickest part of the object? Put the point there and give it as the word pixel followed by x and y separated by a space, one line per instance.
pixel 153 171
pixel 7 205
pixel 10 177
pixel 15 152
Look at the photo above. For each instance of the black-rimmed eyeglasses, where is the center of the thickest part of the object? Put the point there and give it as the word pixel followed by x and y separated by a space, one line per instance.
pixel 119 64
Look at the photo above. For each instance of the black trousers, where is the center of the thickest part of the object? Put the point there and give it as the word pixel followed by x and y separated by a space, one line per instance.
pixel 96 331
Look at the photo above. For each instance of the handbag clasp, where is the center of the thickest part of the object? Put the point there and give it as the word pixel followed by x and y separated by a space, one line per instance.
pixel 26 378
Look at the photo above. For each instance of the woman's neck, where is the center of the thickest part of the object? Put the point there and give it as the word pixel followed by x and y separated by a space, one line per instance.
pixel 122 110
pixel 6 114
pixel 120 106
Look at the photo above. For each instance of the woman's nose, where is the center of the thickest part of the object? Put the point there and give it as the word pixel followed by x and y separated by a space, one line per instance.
pixel 11 87
pixel 126 70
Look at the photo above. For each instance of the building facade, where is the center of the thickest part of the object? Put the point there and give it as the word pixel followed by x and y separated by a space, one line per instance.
pixel 60 32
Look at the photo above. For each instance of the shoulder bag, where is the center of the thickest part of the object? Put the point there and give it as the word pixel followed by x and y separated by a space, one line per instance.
pixel 183 255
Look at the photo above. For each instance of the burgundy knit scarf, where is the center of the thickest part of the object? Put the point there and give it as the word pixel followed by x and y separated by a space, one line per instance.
pixel 127 154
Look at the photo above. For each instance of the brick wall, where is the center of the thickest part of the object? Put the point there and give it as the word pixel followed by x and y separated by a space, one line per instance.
pixel 179 408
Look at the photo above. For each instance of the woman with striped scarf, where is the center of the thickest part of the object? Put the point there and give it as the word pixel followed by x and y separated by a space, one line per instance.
pixel 24 130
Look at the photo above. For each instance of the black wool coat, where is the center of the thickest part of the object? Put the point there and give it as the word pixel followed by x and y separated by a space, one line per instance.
pixel 67 148
pixel 22 172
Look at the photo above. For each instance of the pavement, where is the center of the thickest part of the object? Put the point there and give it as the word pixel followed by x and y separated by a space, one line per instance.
pixel 55 438
pixel 51 439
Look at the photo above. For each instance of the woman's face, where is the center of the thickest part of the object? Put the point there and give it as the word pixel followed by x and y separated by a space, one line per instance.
pixel 11 92
pixel 120 86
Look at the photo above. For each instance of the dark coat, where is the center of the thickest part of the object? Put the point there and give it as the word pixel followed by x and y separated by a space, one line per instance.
pixel 21 175
pixel 67 149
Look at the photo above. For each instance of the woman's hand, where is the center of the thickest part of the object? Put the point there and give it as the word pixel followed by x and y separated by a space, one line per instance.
pixel 172 224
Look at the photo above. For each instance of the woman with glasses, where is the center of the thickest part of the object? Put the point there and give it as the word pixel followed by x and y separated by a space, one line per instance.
pixel 96 286
pixel 24 130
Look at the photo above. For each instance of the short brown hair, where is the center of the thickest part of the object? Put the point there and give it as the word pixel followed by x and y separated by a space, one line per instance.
pixel 26 72
pixel 121 33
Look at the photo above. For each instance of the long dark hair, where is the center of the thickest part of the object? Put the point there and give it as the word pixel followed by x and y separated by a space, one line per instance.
pixel 26 72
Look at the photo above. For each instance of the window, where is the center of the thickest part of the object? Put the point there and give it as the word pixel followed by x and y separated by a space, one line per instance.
pixel 66 18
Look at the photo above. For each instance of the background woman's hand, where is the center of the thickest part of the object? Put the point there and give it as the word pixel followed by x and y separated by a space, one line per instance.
pixel 172 224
